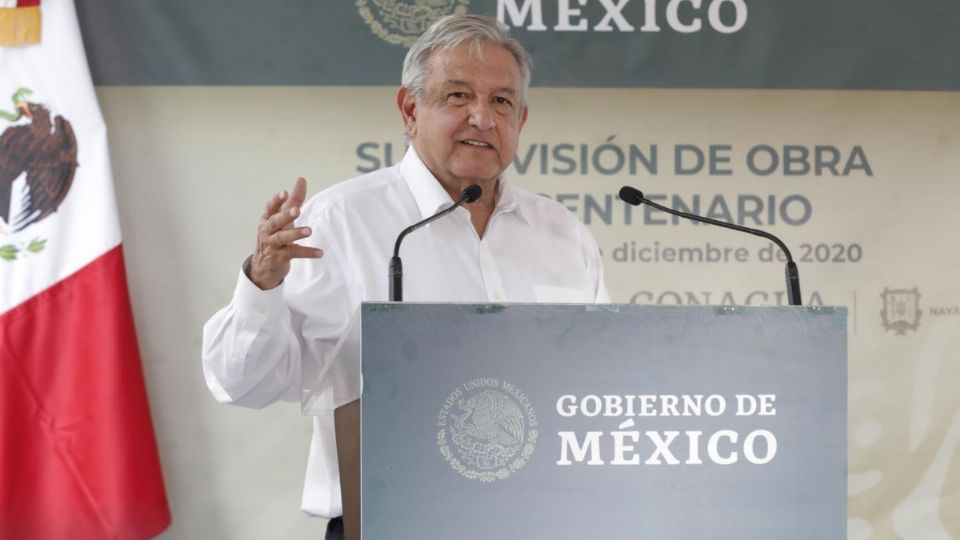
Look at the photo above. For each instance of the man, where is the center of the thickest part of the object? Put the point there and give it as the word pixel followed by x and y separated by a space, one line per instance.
pixel 463 105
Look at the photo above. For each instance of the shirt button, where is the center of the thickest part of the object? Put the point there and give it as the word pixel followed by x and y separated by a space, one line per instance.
pixel 497 297
pixel 261 308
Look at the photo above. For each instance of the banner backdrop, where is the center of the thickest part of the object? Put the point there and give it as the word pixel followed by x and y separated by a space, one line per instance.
pixel 855 173
pixel 865 44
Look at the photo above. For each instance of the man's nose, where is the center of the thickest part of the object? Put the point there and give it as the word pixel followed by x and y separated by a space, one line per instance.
pixel 481 116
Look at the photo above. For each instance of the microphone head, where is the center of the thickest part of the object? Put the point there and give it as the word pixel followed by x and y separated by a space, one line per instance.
pixel 631 195
pixel 472 193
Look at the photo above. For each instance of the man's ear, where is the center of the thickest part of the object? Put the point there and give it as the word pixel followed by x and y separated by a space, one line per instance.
pixel 523 117
pixel 408 110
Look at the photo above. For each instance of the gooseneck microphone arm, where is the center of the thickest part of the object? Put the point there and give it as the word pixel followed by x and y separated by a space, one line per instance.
pixel 635 197
pixel 469 195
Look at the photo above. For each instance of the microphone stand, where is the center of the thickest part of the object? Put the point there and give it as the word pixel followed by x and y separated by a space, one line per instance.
pixel 635 197
pixel 395 273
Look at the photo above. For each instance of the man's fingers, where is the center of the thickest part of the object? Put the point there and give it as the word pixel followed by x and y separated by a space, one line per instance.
pixel 304 252
pixel 288 236
pixel 276 237
pixel 299 192
pixel 279 221
pixel 296 196
pixel 282 254
pixel 286 200
pixel 274 204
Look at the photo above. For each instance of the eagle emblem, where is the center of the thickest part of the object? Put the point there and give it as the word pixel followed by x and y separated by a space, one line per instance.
pixel 41 148
pixel 489 432
pixel 400 22
pixel 490 418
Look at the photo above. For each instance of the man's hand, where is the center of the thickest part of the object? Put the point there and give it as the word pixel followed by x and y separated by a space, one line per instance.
pixel 276 236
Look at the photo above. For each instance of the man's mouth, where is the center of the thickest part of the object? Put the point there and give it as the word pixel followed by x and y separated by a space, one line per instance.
pixel 478 144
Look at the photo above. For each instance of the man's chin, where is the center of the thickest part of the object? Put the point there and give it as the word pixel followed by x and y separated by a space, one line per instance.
pixel 479 172
pixel 478 177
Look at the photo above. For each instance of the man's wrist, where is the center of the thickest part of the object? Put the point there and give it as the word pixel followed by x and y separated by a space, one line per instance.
pixel 248 271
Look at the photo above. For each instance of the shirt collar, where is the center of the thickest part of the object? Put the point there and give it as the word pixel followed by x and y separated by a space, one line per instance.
pixel 426 189
pixel 431 197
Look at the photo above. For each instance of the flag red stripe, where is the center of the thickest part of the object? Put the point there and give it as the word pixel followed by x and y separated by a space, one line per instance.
pixel 27 3
pixel 78 458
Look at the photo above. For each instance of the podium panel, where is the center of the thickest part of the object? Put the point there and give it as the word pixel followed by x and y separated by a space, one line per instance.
pixel 614 422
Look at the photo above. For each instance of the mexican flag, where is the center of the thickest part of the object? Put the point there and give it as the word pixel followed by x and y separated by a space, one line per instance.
pixel 78 456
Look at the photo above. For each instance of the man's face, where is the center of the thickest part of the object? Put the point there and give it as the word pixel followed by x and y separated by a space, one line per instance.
pixel 467 126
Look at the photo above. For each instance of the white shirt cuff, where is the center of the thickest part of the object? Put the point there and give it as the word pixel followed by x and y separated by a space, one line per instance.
pixel 253 304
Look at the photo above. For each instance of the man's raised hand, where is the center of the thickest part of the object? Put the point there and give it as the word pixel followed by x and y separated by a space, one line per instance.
pixel 276 238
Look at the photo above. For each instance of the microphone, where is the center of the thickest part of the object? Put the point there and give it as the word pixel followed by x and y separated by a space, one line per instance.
pixel 635 197
pixel 469 195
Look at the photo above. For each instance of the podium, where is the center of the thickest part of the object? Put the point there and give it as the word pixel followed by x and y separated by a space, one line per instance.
pixel 597 421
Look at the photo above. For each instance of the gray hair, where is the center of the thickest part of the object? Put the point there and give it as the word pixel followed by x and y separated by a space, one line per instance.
pixel 452 31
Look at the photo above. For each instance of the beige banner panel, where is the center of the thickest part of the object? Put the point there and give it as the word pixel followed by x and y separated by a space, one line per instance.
pixel 862 186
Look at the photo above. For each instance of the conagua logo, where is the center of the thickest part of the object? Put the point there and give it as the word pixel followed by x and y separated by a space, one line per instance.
pixel 901 310
pixel 400 22
pixel 487 429
pixel 42 149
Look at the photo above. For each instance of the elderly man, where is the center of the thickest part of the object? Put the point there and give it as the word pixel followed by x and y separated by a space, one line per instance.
pixel 463 104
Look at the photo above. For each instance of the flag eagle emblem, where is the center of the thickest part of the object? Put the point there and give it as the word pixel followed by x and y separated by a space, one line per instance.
pixel 45 149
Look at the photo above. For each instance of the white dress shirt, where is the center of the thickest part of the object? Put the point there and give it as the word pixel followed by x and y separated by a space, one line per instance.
pixel 270 345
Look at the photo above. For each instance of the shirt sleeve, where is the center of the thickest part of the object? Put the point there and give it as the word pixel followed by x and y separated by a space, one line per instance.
pixel 263 345
pixel 250 355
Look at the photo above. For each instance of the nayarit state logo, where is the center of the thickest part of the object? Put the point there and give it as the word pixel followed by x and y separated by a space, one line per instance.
pixel 40 148
pixel 901 310
pixel 487 429
pixel 400 22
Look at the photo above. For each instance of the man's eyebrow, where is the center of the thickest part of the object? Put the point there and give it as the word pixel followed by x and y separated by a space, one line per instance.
pixel 454 82
pixel 457 82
